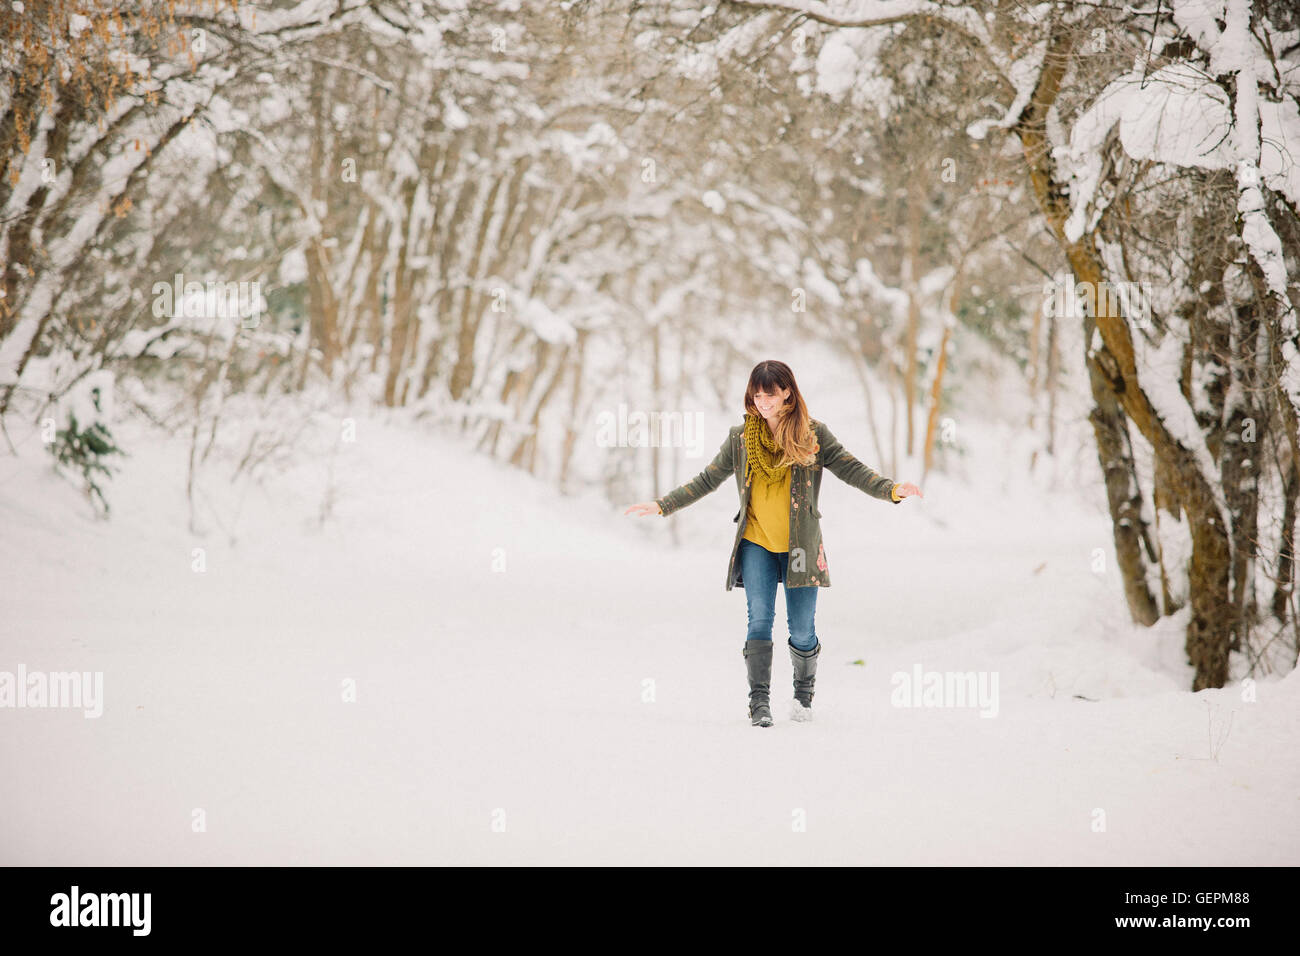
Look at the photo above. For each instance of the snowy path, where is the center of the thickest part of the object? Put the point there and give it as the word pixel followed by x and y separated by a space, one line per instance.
pixel 518 696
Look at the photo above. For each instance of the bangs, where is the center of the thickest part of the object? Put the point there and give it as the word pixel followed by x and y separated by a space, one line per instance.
pixel 766 379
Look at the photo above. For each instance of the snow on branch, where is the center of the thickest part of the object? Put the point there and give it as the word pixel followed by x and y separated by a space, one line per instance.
pixel 877 13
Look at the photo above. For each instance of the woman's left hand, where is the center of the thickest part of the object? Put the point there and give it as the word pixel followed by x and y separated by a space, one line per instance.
pixel 906 489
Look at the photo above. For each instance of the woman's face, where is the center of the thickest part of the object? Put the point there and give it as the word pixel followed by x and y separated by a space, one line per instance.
pixel 769 403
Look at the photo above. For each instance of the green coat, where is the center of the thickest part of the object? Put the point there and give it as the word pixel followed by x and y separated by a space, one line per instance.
pixel 805 518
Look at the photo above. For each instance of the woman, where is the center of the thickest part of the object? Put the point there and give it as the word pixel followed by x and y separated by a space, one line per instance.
pixel 777 457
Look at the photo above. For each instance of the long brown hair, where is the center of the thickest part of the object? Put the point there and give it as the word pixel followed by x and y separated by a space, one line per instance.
pixel 793 432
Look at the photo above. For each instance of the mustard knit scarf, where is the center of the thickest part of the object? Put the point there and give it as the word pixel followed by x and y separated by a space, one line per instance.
pixel 762 454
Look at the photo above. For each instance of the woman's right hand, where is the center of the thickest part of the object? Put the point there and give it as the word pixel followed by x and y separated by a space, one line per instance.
pixel 644 508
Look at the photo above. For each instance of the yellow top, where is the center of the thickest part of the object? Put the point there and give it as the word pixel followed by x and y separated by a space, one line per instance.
pixel 767 517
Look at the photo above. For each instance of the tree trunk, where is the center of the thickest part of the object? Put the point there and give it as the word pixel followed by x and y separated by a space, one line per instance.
pixel 1209 634
pixel 913 279
pixel 1123 493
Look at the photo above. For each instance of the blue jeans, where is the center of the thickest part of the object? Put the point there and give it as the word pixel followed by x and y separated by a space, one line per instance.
pixel 761 569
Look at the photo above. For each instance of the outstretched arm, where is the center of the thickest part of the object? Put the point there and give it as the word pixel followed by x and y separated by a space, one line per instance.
pixel 848 469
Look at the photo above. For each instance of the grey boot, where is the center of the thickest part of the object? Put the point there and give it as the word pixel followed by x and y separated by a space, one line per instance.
pixel 805 674
pixel 758 665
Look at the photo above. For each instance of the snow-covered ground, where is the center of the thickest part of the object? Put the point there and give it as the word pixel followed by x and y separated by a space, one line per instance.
pixel 542 680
